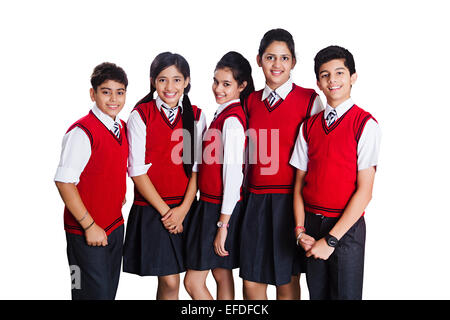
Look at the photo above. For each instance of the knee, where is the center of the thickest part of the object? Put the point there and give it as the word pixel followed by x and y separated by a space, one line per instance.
pixel 222 275
pixel 192 284
pixel 169 283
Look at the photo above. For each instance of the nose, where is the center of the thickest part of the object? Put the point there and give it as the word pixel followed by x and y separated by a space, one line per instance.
pixel 113 96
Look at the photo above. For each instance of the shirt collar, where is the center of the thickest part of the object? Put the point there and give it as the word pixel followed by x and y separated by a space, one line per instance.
pixel 223 106
pixel 282 91
pixel 104 118
pixel 340 109
pixel 160 103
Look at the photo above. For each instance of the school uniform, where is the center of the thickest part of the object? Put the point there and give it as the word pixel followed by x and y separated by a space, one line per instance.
pixel 220 183
pixel 94 157
pixel 155 149
pixel 332 154
pixel 268 252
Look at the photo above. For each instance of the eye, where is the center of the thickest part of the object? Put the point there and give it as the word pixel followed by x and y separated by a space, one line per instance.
pixel 105 92
pixel 324 75
pixel 285 58
pixel 161 80
pixel 226 84
pixel 270 58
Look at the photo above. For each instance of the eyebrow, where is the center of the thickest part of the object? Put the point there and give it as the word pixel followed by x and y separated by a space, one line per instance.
pixel 106 88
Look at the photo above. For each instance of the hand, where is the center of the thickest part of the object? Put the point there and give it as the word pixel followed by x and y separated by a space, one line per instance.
pixel 96 236
pixel 173 220
pixel 219 242
pixel 320 250
pixel 306 242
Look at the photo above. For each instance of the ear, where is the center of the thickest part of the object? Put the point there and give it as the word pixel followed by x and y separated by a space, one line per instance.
pixel 258 60
pixel 318 85
pixel 242 86
pixel 353 78
pixel 92 94
pixel 294 62
pixel 186 82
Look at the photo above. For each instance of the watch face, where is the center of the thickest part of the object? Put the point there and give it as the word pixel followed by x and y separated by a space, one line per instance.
pixel 332 241
pixel 219 224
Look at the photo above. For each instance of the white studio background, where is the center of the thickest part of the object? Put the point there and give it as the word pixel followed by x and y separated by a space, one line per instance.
pixel 49 49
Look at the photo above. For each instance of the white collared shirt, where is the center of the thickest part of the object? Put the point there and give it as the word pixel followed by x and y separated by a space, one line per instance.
pixel 368 145
pixel 233 138
pixel 160 104
pixel 283 91
pixel 76 150
pixel 137 139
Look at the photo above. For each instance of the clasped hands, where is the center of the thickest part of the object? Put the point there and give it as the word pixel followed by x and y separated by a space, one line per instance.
pixel 319 249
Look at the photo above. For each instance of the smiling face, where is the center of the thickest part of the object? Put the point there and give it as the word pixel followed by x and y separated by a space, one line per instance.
pixel 335 81
pixel 170 84
pixel 109 97
pixel 277 62
pixel 225 87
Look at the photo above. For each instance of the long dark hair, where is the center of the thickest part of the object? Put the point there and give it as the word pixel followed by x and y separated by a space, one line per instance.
pixel 242 71
pixel 161 62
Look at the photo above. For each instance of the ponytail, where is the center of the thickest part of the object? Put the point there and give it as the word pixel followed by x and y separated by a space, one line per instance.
pixel 189 137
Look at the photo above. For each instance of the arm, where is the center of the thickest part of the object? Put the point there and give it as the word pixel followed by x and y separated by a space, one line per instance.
pixel 355 207
pixel 95 235
pixel 305 241
pixel 233 140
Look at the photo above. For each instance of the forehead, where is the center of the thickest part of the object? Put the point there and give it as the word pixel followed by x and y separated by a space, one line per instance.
pixel 170 72
pixel 223 74
pixel 111 84
pixel 278 47
pixel 333 65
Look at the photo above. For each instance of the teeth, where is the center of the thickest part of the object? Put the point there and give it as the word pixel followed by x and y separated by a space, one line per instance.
pixel 333 88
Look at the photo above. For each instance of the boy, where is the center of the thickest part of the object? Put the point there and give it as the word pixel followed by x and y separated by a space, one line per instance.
pixel 336 154
pixel 91 179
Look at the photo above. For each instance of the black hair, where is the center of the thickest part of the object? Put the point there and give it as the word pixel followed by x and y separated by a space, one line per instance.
pixel 277 35
pixel 108 71
pixel 331 53
pixel 161 62
pixel 242 71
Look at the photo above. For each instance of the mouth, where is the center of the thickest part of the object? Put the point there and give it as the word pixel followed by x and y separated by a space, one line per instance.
pixel 334 88
pixel 276 72
pixel 220 96
pixel 170 94
pixel 113 106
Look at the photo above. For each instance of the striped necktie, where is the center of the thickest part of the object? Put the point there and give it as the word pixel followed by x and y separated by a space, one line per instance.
pixel 116 130
pixel 272 98
pixel 171 116
pixel 331 117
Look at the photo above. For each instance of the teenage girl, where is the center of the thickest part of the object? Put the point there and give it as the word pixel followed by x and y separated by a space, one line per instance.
pixel 212 238
pixel 268 248
pixel 164 174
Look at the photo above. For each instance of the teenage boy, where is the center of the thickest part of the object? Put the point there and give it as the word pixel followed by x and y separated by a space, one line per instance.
pixel 336 155
pixel 91 179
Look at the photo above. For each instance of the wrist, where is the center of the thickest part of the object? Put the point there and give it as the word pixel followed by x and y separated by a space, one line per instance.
pixel 331 240
pixel 220 224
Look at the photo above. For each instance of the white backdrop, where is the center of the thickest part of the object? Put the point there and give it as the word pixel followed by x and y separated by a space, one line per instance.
pixel 48 51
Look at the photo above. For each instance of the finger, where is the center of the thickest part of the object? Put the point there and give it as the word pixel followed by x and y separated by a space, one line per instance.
pixel 167 215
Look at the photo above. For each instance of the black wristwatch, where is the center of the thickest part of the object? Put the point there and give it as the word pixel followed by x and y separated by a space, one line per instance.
pixel 331 241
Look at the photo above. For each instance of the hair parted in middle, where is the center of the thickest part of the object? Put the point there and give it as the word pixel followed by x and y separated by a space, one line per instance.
pixel 277 35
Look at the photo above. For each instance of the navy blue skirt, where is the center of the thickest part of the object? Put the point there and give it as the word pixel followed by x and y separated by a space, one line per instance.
pixel 268 252
pixel 149 249
pixel 200 235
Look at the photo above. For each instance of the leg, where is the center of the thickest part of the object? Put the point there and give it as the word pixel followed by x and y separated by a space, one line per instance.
pixel 254 290
pixel 168 287
pixel 225 283
pixel 289 291
pixel 347 264
pixel 195 284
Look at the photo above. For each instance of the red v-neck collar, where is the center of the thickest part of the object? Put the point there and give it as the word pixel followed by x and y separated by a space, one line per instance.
pixel 166 120
pixel 327 128
pixel 119 140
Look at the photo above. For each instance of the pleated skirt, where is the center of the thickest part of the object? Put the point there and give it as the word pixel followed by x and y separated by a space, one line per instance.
pixel 149 249
pixel 201 233
pixel 268 250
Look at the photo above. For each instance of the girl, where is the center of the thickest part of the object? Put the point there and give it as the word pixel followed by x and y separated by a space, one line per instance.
pixel 268 248
pixel 213 233
pixel 165 184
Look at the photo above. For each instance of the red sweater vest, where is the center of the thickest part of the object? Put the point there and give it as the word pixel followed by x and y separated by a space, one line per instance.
pixel 332 167
pixel 166 172
pixel 275 175
pixel 210 179
pixel 102 183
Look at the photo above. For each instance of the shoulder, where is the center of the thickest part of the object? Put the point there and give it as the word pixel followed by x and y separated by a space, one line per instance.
pixel 305 92
pixel 363 119
pixel 84 124
pixel 144 110
pixel 197 112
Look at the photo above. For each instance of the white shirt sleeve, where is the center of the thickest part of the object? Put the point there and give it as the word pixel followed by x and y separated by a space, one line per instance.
pixel 369 145
pixel 136 134
pixel 75 154
pixel 233 156
pixel 299 158
pixel 317 106
pixel 200 130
